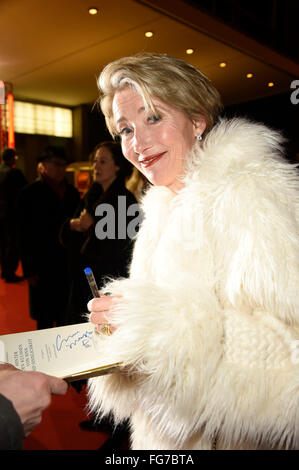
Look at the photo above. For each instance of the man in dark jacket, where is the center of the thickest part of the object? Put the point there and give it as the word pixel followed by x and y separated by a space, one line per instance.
pixel 11 182
pixel 43 207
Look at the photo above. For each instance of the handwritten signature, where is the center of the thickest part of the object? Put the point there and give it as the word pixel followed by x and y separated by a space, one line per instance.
pixel 74 340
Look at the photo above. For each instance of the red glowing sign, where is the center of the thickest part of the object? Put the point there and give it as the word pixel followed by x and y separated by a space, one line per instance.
pixel 7 132
pixel 10 121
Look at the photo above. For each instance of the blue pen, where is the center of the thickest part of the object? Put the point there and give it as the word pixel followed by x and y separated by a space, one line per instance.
pixel 104 328
pixel 92 282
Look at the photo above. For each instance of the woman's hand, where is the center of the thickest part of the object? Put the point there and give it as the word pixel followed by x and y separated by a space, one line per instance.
pixel 75 225
pixel 100 310
pixel 82 223
pixel 86 220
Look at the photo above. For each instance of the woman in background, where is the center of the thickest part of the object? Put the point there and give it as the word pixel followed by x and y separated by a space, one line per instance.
pixel 110 254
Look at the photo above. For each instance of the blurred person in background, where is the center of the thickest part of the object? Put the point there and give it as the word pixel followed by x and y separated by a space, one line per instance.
pixel 11 182
pixel 42 208
pixel 110 255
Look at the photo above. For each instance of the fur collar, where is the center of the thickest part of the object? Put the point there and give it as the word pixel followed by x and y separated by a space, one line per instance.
pixel 244 195
pixel 237 144
pixel 233 149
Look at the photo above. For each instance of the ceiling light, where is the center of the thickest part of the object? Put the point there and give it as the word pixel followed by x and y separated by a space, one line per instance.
pixel 270 84
pixel 222 64
pixel 249 75
pixel 93 10
pixel 189 51
pixel 149 34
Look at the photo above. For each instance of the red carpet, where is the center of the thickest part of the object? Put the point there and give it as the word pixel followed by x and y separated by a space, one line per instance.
pixel 59 429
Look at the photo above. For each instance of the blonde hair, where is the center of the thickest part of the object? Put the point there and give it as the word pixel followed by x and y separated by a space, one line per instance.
pixel 137 184
pixel 169 79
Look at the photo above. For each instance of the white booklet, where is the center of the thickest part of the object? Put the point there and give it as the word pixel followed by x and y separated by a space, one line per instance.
pixel 68 352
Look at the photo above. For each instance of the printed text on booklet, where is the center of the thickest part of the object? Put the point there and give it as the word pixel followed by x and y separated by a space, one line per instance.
pixel 67 352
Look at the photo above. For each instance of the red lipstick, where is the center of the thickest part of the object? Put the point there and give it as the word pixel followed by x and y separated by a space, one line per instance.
pixel 150 160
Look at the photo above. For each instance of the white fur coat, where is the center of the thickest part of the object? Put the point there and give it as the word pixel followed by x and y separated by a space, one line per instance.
pixel 209 317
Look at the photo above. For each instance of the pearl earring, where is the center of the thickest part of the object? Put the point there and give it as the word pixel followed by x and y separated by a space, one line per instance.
pixel 198 137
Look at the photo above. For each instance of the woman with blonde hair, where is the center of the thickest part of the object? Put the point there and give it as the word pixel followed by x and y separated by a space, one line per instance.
pixel 207 324
pixel 137 184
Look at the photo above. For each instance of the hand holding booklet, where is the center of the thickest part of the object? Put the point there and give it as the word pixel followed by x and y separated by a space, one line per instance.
pixel 67 352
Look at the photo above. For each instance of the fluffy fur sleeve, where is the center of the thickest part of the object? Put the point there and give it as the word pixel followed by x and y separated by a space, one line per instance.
pixel 170 348
pixel 191 366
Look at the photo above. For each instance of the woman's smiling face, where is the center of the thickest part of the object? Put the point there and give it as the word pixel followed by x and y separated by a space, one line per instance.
pixel 104 167
pixel 157 145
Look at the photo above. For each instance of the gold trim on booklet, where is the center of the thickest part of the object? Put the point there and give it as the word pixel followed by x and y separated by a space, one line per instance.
pixel 97 371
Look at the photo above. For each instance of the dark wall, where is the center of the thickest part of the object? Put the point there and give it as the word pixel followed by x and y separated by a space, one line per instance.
pixel 89 130
pixel 270 22
pixel 97 130
pixel 277 112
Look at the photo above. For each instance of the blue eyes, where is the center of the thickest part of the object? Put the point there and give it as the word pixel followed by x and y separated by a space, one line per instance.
pixel 151 120
pixel 154 118
pixel 125 131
